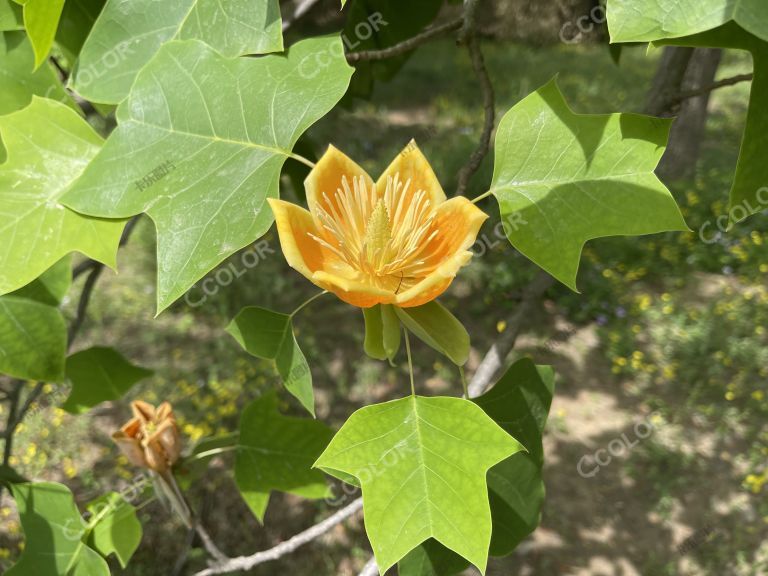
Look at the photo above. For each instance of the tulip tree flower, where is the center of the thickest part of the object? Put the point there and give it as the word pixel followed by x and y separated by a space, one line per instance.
pixel 396 241
pixel 150 439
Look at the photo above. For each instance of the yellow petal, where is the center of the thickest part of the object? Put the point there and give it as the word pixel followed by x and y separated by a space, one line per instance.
pixel 294 226
pixel 411 164
pixel 459 222
pixel 325 179
pixel 352 291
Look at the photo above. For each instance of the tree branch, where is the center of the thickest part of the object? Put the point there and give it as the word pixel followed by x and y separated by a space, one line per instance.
pixel 489 107
pixel 290 545
pixel 405 45
pixel 678 98
pixel 497 354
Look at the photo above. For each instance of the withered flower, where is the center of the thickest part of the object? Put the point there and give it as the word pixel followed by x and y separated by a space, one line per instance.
pixel 150 439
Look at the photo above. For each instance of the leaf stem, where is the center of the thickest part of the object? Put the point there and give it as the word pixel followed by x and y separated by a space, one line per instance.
pixel 464 382
pixel 301 159
pixel 307 302
pixel 482 196
pixel 410 360
pixel 212 452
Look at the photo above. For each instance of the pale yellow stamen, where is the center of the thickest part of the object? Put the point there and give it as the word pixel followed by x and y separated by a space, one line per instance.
pixel 386 237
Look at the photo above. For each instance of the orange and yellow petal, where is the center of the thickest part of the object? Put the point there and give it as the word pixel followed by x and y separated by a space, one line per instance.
pixel 352 291
pixel 294 226
pixel 411 164
pixel 326 178
pixel 459 222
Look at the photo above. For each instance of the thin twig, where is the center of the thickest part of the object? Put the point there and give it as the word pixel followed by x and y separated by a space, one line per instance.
pixel 82 305
pixel 405 45
pixel 290 545
pixel 678 98
pixel 489 108
pixel 209 544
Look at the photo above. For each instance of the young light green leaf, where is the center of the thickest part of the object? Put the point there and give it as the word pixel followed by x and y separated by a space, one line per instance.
pixel 33 339
pixel 128 34
pixel 269 335
pixel 41 18
pixel 382 332
pixel 97 375
pixel 437 327
pixel 562 179
pixel 48 146
pixel 749 193
pixel 650 20
pixel 53 529
pixel 422 464
pixel 199 147
pixel 276 452
pixel 117 530
pixel 519 402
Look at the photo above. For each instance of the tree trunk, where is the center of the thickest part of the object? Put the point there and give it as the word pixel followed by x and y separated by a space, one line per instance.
pixel 681 70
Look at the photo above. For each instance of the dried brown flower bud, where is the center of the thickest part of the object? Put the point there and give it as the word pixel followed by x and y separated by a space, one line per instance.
pixel 150 439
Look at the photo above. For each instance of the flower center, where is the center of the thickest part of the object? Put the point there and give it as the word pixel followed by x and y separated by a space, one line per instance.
pixel 386 237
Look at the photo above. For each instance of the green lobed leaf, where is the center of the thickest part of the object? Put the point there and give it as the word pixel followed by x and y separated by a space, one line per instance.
pixel 53 529
pixel 41 18
pixel 562 179
pixel 118 530
pixel 276 452
pixel 199 147
pixel 650 20
pixel 269 335
pixel 519 402
pixel 127 35
pixel 97 375
pixel 33 340
pixel 749 193
pixel 48 146
pixel 434 324
pixel 422 464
